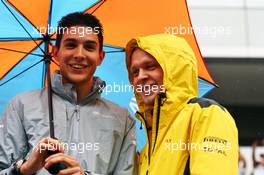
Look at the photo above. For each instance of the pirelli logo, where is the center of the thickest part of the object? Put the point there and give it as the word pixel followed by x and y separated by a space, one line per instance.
pixel 217 145
pixel 215 140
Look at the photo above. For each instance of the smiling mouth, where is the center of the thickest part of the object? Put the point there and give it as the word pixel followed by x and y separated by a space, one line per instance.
pixel 146 89
pixel 78 66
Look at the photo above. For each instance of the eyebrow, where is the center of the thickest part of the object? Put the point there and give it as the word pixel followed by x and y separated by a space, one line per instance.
pixel 91 42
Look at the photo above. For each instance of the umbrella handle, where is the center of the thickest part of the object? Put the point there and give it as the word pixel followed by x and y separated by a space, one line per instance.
pixel 55 169
pixel 49 88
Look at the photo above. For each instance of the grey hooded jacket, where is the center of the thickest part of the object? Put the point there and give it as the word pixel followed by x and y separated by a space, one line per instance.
pixel 98 133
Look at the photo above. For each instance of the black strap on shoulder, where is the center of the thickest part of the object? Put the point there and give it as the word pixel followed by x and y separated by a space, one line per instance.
pixel 205 102
pixel 187 167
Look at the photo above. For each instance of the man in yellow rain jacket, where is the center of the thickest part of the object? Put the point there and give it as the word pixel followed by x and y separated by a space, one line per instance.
pixel 185 134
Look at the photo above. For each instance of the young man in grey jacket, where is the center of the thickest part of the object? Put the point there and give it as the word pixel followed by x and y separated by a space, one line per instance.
pixel 94 135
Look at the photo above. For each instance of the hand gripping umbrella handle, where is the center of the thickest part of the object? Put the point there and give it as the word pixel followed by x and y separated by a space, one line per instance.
pixel 55 169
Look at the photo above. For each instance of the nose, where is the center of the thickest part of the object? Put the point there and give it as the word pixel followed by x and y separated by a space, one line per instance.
pixel 142 76
pixel 79 52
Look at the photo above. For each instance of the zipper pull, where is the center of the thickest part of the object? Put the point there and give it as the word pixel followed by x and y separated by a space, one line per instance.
pixel 77 111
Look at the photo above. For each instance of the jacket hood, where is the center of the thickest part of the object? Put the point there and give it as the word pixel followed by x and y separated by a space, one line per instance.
pixel 178 63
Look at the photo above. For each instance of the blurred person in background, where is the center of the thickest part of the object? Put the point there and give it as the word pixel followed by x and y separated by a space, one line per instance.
pixel 242 163
pixel 258 166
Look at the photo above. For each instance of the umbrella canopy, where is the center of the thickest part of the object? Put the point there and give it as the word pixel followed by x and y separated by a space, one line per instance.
pixel 27 32
pixel 125 19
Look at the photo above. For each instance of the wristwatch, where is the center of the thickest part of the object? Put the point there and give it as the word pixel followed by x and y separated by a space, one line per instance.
pixel 87 172
pixel 16 167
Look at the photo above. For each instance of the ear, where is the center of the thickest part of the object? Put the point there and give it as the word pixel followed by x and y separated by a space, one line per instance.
pixel 55 51
pixel 101 57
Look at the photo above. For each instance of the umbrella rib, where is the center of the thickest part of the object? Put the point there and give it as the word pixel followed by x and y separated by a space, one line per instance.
pixel 114 51
pixel 1 48
pixel 107 45
pixel 17 39
pixel 50 13
pixel 54 62
pixel 23 27
pixel 21 72
pixel 98 6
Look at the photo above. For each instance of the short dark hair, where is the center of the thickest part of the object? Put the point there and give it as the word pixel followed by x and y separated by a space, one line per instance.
pixel 79 19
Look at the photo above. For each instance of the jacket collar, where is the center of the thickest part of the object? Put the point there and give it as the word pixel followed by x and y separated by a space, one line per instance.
pixel 67 91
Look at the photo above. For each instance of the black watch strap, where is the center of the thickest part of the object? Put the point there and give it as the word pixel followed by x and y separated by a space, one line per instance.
pixel 87 173
pixel 16 167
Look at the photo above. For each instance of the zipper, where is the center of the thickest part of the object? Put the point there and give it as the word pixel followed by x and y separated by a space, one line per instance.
pixel 77 112
pixel 157 121
pixel 160 97
pixel 145 124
